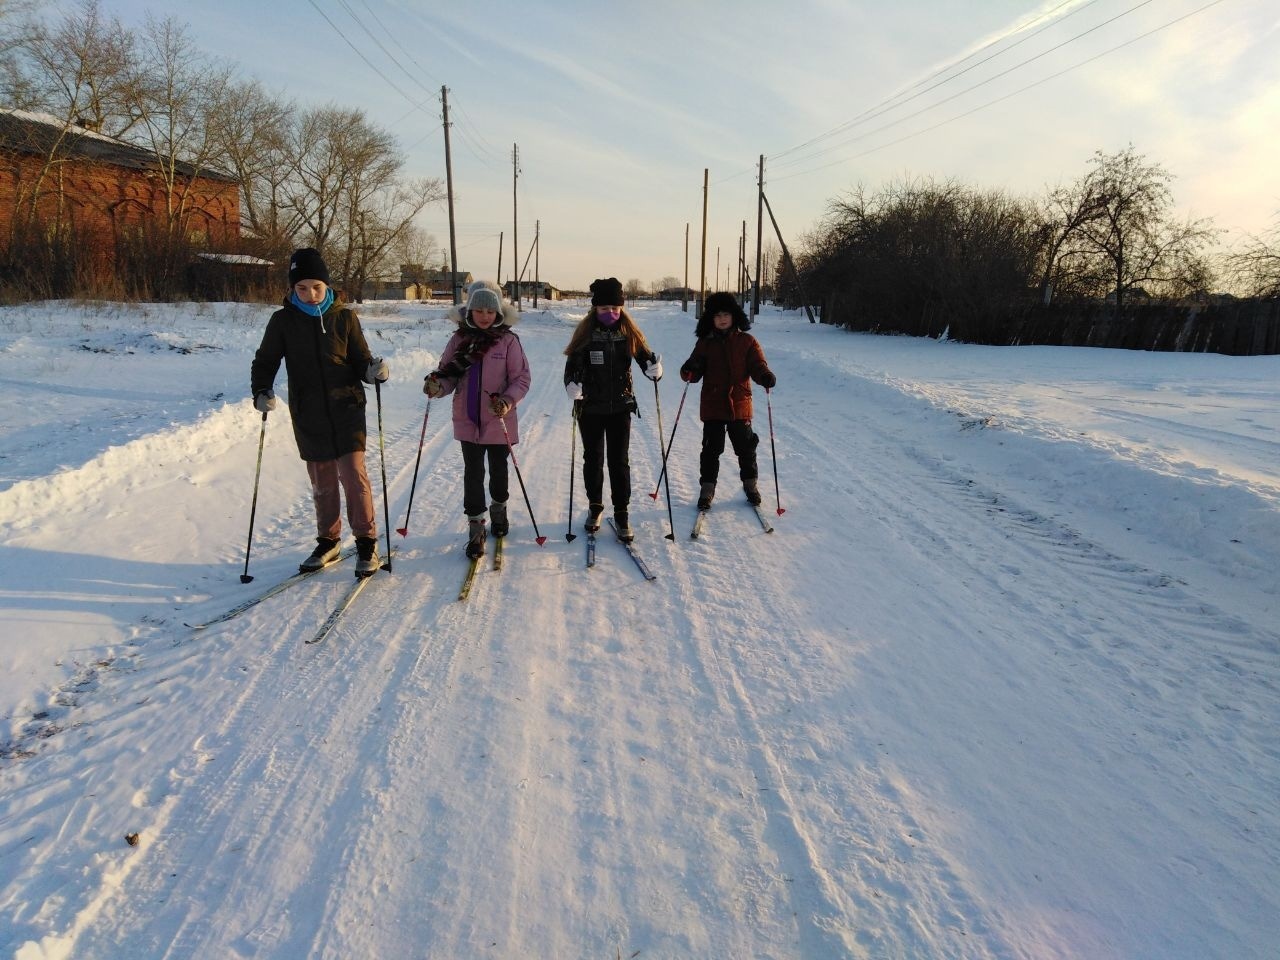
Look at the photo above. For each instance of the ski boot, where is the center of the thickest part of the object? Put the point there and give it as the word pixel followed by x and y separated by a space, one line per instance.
pixel 367 562
pixel 476 534
pixel 705 495
pixel 594 512
pixel 326 552
pixel 751 487
pixel 620 520
pixel 498 522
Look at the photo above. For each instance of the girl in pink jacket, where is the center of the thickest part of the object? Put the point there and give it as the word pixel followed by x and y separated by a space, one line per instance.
pixel 485 368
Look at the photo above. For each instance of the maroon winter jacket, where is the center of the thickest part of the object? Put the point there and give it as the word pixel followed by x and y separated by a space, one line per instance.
pixel 727 363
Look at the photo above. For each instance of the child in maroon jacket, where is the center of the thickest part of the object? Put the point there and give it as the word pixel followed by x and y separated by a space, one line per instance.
pixel 726 359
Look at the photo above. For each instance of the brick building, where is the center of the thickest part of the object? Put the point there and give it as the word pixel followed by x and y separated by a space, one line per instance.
pixel 102 194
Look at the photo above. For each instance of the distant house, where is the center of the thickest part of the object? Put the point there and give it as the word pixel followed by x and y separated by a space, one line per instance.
pixel 442 289
pixel 99 193
pixel 416 282
pixel 531 288
pixel 677 293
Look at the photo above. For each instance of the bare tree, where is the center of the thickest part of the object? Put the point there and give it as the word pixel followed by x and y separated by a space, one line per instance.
pixel 414 246
pixel 249 127
pixel 174 90
pixel 321 155
pixel 379 222
pixel 76 69
pixel 1132 233
pixel 346 192
pixel 1256 267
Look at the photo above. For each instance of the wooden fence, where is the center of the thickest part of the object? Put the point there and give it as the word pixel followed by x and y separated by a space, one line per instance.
pixel 1235 328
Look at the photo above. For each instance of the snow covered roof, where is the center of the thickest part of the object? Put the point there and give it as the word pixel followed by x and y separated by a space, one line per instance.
pixel 43 134
pixel 236 258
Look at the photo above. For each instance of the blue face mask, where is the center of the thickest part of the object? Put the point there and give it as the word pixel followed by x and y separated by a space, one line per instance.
pixel 608 316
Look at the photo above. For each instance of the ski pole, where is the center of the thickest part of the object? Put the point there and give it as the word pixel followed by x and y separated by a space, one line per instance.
pixel 516 463
pixel 654 495
pixel 253 510
pixel 404 531
pixel 657 401
pixel 774 451
pixel 573 456
pixel 382 448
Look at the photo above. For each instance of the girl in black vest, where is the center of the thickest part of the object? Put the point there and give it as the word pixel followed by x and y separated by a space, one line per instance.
pixel 597 378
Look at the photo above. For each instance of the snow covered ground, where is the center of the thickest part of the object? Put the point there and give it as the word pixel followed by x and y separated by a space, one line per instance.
pixel 1002 684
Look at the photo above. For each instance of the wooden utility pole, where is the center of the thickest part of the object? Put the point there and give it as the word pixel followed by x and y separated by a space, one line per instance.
pixel 537 257
pixel 515 218
pixel 755 297
pixel 498 275
pixel 527 258
pixel 742 265
pixel 684 294
pixel 448 175
pixel 702 283
pixel 786 254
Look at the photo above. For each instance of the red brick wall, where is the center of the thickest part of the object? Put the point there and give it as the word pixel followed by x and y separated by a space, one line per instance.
pixel 98 200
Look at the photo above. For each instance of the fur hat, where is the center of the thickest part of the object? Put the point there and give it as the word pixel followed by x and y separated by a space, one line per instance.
pixel 607 293
pixel 721 303
pixel 307 264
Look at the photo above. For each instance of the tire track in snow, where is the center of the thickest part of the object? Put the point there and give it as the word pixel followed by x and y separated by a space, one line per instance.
pixel 1136 651
pixel 286 735
pixel 272 766
pixel 853 894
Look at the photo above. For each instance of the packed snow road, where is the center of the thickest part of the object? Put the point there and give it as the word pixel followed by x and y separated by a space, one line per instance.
pixel 973 698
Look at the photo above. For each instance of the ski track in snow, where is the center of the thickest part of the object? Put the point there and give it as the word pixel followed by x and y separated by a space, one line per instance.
pixel 789 745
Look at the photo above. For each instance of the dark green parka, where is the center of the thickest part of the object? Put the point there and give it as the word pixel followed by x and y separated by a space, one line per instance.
pixel 325 360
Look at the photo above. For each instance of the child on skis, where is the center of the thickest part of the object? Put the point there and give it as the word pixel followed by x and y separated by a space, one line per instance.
pixel 485 368
pixel 597 378
pixel 326 357
pixel 726 358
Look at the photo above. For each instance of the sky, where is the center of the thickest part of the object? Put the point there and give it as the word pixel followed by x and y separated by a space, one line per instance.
pixel 619 109
pixel 1000 685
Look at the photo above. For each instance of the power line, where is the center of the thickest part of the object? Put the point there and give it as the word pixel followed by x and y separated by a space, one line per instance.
pixel 391 83
pixel 484 145
pixel 1008 96
pixel 887 103
pixel 400 46
pixel 982 83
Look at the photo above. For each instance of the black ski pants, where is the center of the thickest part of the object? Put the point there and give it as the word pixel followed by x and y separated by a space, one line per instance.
pixel 606 435
pixel 473 458
pixel 744 441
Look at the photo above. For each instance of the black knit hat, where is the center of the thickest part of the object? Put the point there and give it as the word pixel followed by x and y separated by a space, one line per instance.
pixel 307 264
pixel 607 293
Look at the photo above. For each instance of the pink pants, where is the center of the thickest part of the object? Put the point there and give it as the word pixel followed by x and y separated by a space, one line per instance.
pixel 347 472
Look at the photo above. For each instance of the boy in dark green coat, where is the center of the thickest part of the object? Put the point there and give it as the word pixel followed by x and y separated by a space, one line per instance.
pixel 326 357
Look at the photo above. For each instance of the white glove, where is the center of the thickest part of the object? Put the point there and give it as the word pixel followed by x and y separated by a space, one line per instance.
pixel 574 390
pixel 264 402
pixel 377 371
pixel 432 386
pixel 654 369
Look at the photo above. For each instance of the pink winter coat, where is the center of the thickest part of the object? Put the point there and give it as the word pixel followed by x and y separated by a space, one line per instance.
pixel 504 369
